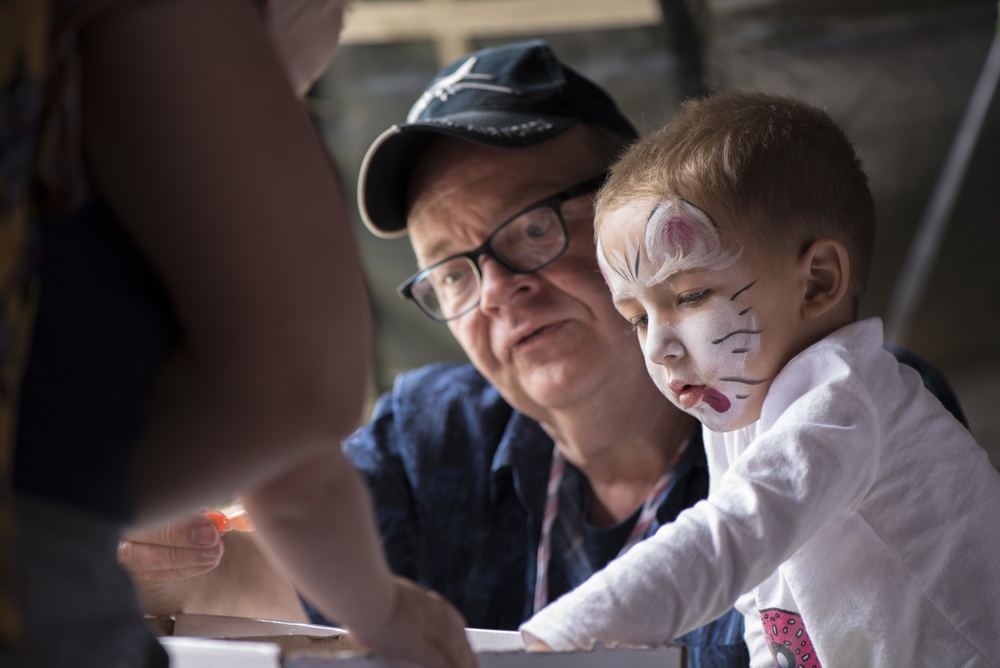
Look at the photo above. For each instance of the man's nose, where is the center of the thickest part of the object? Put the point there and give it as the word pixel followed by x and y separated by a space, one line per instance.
pixel 500 285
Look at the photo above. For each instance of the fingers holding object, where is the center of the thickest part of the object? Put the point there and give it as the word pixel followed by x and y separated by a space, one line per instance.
pixel 172 550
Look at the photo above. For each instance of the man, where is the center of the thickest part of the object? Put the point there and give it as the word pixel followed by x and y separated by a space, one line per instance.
pixel 502 155
pixel 504 483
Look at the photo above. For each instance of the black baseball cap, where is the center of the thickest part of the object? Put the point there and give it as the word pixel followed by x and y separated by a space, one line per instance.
pixel 510 96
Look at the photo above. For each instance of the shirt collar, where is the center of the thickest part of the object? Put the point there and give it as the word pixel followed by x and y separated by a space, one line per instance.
pixel 523 458
pixel 524 455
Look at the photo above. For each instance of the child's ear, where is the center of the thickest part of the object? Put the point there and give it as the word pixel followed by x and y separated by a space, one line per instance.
pixel 827 268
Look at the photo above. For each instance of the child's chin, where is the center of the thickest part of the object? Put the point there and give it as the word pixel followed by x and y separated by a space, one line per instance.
pixel 721 422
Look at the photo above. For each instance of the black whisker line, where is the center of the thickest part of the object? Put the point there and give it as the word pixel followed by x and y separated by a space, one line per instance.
pixel 745 381
pixel 740 351
pixel 746 310
pixel 742 290
pixel 638 260
pixel 742 396
pixel 738 331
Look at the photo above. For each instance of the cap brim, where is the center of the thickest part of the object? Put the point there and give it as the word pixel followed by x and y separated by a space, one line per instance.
pixel 386 168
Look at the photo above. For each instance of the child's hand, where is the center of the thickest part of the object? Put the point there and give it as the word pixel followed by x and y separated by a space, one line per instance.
pixel 539 646
pixel 423 629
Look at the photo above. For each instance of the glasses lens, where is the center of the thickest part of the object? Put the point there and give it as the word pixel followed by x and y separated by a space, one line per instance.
pixel 531 240
pixel 448 289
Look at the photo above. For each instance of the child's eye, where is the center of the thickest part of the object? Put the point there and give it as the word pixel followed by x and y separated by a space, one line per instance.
pixel 692 298
pixel 639 322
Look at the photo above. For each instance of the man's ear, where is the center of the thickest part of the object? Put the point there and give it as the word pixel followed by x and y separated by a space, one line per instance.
pixel 827 268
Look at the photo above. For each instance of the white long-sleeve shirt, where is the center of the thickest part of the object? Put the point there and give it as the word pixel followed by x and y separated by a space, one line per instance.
pixel 856 502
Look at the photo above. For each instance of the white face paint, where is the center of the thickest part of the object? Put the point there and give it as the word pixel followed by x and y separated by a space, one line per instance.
pixel 694 301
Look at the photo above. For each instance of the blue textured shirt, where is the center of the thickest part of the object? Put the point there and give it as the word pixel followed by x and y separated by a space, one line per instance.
pixel 458 479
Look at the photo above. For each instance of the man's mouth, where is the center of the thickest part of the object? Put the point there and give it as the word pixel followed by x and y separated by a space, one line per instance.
pixel 528 337
pixel 691 395
pixel 532 335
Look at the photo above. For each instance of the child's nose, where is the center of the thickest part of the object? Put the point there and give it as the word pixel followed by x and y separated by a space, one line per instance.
pixel 663 346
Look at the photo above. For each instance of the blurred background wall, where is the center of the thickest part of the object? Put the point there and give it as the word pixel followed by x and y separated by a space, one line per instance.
pixel 896 75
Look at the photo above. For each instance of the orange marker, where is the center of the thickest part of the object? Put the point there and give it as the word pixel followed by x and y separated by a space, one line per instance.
pixel 235 520
pixel 220 519
pixel 239 520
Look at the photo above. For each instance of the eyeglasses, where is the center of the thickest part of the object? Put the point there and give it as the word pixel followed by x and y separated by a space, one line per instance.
pixel 523 244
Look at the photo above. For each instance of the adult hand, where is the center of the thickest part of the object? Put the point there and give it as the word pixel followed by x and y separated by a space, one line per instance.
pixel 175 550
pixel 178 566
pixel 423 629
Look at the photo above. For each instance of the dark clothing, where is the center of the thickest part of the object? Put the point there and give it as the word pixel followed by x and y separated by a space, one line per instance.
pixel 74 374
pixel 459 480
pixel 933 380
pixel 104 326
pixel 23 69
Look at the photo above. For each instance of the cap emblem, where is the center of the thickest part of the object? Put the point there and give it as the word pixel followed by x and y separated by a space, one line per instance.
pixel 461 79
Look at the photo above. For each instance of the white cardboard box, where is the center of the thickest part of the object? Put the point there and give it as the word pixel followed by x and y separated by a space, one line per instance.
pixel 209 641
pixel 187 652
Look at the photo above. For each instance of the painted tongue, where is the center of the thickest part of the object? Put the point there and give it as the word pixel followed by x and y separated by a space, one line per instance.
pixel 716 400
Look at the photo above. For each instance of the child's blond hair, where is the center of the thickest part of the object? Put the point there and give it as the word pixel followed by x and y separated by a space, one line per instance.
pixel 777 166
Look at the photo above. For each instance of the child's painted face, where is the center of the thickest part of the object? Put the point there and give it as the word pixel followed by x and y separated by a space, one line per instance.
pixel 716 317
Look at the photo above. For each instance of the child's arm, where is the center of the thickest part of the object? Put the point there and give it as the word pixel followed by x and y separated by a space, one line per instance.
pixel 777 493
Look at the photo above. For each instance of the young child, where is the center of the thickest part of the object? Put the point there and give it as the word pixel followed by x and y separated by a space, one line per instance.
pixel 851 518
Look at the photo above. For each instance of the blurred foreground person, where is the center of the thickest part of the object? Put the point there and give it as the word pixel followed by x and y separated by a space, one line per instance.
pixel 200 301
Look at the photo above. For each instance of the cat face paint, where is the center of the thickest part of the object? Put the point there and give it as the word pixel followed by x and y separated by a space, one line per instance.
pixel 698 305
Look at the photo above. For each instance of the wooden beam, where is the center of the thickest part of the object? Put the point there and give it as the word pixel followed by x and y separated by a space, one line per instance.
pixel 406 20
pixel 452 46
